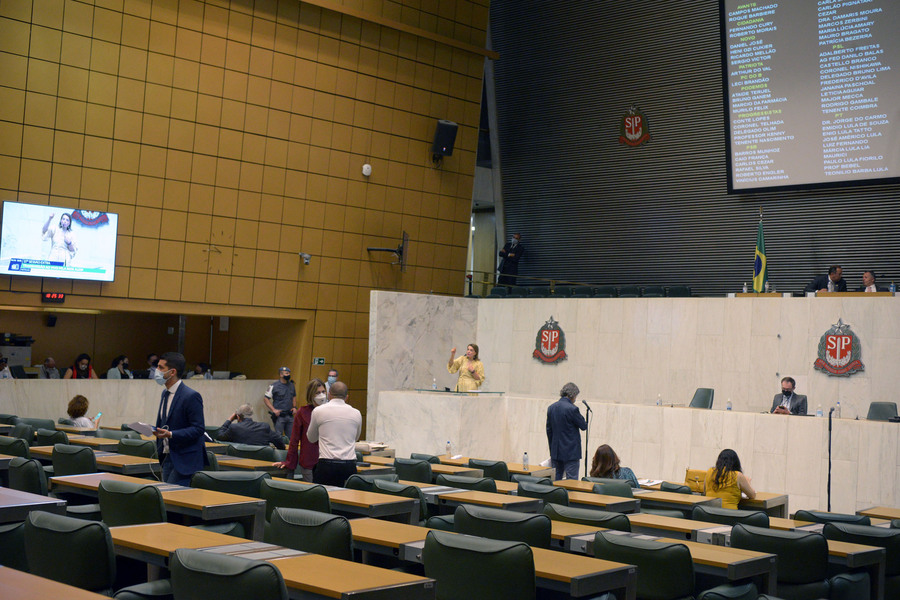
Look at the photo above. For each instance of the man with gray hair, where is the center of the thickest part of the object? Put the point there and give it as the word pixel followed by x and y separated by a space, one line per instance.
pixel 242 429
pixel 564 421
pixel 335 426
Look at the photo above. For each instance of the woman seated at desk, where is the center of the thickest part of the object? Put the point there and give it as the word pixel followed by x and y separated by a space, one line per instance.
pixel 606 464
pixel 78 407
pixel 727 480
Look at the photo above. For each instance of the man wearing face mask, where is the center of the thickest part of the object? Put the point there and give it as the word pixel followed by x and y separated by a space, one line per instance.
pixel 510 256
pixel 787 402
pixel 279 399
pixel 332 377
pixel 179 423
pixel 242 429
pixel 300 449
pixel 336 426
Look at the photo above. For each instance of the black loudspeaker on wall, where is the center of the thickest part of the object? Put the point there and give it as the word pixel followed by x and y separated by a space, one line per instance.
pixel 51 320
pixel 444 138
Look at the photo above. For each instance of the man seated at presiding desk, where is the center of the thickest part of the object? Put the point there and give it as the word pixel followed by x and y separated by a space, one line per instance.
pixel 242 429
pixel 833 282
pixel 787 402
pixel 869 283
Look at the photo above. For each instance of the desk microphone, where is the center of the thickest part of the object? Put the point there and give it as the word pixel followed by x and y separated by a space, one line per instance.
pixel 830 411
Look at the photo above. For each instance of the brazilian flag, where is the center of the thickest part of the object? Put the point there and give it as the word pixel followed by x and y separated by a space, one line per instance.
pixel 760 270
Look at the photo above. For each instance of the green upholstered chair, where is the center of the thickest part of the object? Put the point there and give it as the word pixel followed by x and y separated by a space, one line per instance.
pixel 407 491
pixel 293 494
pixel 744 591
pixel 65 421
pixel 562 291
pixel 679 291
pixel 212 460
pixel 441 522
pixel 675 488
pixel 49 437
pixel 886 538
pixel 665 569
pixel 8 419
pixel 118 434
pixel 473 567
pixel 408 469
pixel 12 546
pixel 266 453
pixel 614 487
pixel 500 524
pixel 807 554
pixel 129 503
pixel 882 411
pixel 37 423
pixel 530 478
pixel 311 531
pixel 703 398
pixel 818 516
pixel 495 469
pixel 212 431
pixel 653 291
pixel 587 516
pixel 27 475
pixel 547 493
pixel 200 575
pixel 895 524
pixel 481 484
pixel 366 483
pixel 498 291
pixel 89 561
pixel 14 446
pixel 231 482
pixel 517 291
pixel 582 291
pixel 539 291
pixel 138 447
pixel 729 516
pixel 429 457
pixel 23 431
pixel 629 291
pixel 72 460
pixel 605 291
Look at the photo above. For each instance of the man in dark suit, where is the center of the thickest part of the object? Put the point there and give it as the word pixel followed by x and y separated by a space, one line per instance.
pixel 509 265
pixel 564 421
pixel 180 426
pixel 869 283
pixel 787 402
pixel 242 429
pixel 833 282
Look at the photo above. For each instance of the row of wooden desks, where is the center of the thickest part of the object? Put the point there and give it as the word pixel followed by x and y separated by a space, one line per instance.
pixel 305 575
pixel 575 575
pixel 773 504
pixel 18 585
pixel 15 505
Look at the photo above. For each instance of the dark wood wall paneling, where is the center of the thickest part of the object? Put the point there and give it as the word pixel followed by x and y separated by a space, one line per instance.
pixel 594 211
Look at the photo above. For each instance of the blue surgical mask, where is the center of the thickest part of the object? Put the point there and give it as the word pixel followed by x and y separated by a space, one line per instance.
pixel 332 379
pixel 158 377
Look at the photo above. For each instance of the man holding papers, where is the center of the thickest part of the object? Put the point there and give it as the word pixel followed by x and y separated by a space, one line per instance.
pixel 179 423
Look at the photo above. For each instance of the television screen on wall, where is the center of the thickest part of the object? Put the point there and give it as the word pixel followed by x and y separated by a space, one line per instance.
pixel 49 241
pixel 812 92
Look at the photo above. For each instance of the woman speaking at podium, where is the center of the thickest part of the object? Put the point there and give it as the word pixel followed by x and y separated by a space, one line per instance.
pixel 471 370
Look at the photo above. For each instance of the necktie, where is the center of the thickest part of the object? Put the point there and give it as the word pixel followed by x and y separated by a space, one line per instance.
pixel 165 406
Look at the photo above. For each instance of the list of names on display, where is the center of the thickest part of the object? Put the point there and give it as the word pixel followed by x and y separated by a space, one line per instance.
pixel 850 61
pixel 758 125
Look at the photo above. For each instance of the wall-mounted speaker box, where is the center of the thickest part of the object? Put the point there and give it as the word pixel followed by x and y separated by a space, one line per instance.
pixel 444 138
pixel 51 320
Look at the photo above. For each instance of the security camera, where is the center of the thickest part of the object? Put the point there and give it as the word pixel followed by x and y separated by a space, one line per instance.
pixel 305 257
pixel 366 169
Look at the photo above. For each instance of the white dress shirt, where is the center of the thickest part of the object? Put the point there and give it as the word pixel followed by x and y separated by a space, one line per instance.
pixel 336 426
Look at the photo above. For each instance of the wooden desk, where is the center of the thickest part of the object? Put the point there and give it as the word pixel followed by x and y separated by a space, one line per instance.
pixel 216 447
pixel 368 504
pixel 15 505
pixel 562 532
pixel 604 502
pixel 452 470
pixel 378 460
pixel 5 428
pixel 773 504
pixel 533 470
pixel 374 469
pixel 237 463
pixel 681 529
pixel 98 444
pixel 881 512
pixel 854 556
pixel 18 585
pixel 675 501
pixel 4 462
pixel 71 429
pixel 206 505
pixel 306 575
pixel 504 501
pixel 127 465
pixel 462 461
pixel 575 485
pixel 574 575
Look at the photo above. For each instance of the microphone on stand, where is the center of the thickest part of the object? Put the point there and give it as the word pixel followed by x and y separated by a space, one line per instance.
pixel 588 407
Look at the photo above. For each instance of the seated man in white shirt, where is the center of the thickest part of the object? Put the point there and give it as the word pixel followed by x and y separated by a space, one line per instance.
pixel 336 426
pixel 869 283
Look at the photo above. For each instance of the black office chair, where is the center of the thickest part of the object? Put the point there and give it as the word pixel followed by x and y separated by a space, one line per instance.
pixel 311 531
pixel 703 398
pixel 198 575
pixel 818 516
pixel 501 524
pixel 882 411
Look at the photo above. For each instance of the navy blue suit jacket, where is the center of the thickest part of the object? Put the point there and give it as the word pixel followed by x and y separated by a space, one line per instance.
pixel 564 421
pixel 187 449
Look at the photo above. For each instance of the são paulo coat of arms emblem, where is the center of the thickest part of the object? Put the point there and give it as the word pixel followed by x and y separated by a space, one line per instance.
pixel 839 351
pixel 550 343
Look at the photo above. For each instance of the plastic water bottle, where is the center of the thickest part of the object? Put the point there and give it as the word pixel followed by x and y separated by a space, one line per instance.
pixel 659 399
pixel 434 383
pixel 745 287
pixel 837 410
pixel 893 287
pixel 728 404
pixel 819 412
pixel 525 461
pixel 448 448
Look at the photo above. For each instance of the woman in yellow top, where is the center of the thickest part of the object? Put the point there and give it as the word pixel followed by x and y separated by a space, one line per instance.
pixel 471 370
pixel 727 480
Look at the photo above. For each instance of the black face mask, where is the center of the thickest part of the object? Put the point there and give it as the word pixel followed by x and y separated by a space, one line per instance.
pixel 786 392
pixel 124 365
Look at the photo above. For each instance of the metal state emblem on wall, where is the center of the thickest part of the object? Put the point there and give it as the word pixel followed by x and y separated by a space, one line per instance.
pixel 550 343
pixel 839 351
pixel 633 128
